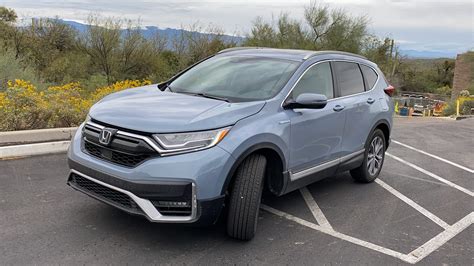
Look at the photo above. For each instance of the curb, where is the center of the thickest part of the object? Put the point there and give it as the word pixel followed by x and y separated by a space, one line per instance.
pixel 9 152
pixel 9 138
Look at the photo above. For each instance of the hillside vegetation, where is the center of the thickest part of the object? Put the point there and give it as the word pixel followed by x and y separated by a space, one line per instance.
pixel 47 60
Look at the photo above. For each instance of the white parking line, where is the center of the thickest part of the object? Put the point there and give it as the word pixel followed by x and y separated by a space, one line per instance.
pixel 413 257
pixel 315 210
pixel 426 172
pixel 441 239
pixel 416 255
pixel 413 204
pixel 428 180
pixel 434 156
pixel 342 236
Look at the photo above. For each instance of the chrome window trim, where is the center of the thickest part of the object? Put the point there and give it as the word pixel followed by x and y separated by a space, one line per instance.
pixel 147 207
pixel 323 166
pixel 334 60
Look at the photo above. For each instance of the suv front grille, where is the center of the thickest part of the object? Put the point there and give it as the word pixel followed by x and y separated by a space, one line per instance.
pixel 117 157
pixel 123 150
pixel 112 196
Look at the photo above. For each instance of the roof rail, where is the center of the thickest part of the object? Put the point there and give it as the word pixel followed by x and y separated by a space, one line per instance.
pixel 309 55
pixel 334 52
pixel 239 48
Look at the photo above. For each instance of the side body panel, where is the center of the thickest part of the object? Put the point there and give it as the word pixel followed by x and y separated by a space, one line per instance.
pixel 316 136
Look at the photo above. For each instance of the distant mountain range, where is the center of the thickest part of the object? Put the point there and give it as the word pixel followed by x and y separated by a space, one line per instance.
pixel 427 54
pixel 149 31
pixel 171 34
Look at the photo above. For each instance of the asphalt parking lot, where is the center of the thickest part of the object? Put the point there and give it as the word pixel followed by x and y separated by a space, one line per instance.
pixel 420 211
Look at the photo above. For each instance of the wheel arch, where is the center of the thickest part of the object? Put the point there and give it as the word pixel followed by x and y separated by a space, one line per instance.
pixel 383 125
pixel 276 166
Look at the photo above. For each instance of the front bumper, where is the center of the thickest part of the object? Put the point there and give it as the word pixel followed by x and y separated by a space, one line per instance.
pixel 136 205
pixel 196 178
pixel 203 212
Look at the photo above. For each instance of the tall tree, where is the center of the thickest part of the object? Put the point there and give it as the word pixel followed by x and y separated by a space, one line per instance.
pixel 101 41
pixel 7 15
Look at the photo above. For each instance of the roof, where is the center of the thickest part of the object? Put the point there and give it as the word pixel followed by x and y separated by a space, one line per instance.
pixel 289 54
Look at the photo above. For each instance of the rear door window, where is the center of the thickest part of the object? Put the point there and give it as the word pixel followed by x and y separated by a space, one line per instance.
pixel 370 76
pixel 349 78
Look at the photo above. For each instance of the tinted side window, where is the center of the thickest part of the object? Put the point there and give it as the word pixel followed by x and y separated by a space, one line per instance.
pixel 318 79
pixel 370 76
pixel 349 78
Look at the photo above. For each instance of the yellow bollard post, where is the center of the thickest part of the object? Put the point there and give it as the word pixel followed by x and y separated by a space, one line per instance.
pixel 457 107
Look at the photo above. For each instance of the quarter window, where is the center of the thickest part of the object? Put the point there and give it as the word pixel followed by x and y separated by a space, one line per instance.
pixel 349 78
pixel 370 76
pixel 318 79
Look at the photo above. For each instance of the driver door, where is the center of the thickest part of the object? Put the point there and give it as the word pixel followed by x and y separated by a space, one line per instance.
pixel 316 134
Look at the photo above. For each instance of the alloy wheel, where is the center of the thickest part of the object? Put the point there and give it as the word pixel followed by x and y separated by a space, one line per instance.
pixel 375 156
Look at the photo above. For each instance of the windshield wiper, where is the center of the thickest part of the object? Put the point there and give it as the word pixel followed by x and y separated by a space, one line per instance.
pixel 213 97
pixel 205 95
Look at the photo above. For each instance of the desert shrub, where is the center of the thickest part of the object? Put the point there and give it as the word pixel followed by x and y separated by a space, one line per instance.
pixel 117 86
pixel 66 105
pixel 464 93
pixel 466 107
pixel 11 68
pixel 445 90
pixel 22 106
pixel 470 89
pixel 450 108
pixel 93 82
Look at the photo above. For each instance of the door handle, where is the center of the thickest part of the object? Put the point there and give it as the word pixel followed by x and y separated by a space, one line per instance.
pixel 338 108
pixel 370 100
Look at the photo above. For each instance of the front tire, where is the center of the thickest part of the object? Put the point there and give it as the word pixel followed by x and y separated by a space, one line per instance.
pixel 245 198
pixel 373 158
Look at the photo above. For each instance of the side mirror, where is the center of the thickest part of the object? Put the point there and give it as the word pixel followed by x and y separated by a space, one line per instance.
pixel 308 101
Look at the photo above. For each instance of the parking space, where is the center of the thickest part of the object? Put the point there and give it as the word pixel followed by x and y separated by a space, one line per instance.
pixel 421 210
pixel 437 197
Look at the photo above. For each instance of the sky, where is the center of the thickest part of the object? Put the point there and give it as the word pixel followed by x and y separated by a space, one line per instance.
pixel 423 25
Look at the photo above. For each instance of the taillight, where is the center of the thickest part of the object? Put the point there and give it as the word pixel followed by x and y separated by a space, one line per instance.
pixel 390 90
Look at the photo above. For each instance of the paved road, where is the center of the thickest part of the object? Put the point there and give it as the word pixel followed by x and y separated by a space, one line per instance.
pixel 42 221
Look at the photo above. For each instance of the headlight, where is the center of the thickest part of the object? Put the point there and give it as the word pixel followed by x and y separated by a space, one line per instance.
pixel 192 141
pixel 88 118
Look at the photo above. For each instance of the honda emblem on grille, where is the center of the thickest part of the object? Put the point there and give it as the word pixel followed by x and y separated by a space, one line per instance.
pixel 106 136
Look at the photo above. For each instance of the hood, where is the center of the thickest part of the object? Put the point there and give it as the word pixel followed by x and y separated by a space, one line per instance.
pixel 147 109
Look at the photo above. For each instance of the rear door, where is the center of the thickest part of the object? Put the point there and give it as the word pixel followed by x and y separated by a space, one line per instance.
pixel 316 134
pixel 360 102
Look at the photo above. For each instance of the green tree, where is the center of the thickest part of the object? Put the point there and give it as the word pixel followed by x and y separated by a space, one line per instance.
pixel 12 68
pixel 322 29
pixel 7 15
pixel 48 40
pixel 101 42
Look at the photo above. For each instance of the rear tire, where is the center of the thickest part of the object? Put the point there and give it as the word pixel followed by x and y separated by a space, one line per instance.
pixel 245 198
pixel 374 157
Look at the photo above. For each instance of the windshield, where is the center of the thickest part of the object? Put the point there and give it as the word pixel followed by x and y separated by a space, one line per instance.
pixel 236 78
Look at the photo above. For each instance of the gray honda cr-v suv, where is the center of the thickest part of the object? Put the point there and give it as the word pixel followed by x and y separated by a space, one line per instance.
pixel 225 129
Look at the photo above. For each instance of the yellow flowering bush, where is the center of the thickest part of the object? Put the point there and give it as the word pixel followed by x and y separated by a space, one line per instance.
pixel 23 106
pixel 67 106
pixel 118 86
pixel 3 100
